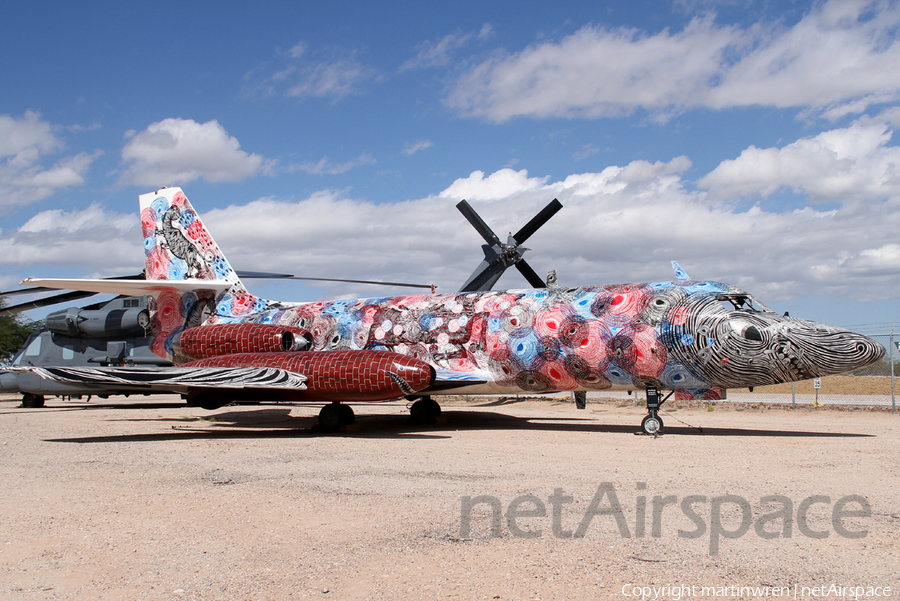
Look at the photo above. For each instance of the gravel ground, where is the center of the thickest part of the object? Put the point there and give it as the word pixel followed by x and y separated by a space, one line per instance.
pixel 149 499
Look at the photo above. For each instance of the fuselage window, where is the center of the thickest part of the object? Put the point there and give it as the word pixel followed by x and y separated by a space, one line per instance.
pixel 68 352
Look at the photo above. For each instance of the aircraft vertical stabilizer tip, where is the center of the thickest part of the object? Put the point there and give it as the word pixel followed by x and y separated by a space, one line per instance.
pixel 680 274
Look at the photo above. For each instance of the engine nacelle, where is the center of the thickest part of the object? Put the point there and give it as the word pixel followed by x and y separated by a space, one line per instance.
pixel 204 342
pixel 100 323
pixel 331 376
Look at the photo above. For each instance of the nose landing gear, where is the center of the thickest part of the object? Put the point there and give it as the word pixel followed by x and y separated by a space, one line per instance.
pixel 652 424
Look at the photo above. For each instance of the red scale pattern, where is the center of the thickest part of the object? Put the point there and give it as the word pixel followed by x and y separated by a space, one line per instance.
pixel 337 375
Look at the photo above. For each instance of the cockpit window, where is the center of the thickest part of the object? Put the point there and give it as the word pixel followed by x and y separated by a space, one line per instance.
pixel 742 302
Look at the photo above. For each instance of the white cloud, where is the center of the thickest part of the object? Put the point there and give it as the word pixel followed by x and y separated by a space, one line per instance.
pixel 330 79
pixel 411 149
pixel 25 135
pixel 93 239
pixel 502 184
pixel 179 151
pixel 437 54
pixel 843 52
pixel 585 151
pixel 325 167
pixel 853 163
pixel 327 73
pixel 624 223
pixel 24 175
pixel 839 59
pixel 56 221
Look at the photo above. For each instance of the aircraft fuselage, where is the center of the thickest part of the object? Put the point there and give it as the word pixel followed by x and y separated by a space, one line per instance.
pixel 698 338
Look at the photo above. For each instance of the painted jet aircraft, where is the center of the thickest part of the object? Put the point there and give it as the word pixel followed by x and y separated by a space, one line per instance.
pixel 695 339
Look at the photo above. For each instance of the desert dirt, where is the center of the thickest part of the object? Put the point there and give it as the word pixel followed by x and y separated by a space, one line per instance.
pixel 149 499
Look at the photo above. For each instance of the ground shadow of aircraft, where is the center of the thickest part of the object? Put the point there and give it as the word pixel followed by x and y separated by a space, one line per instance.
pixel 276 422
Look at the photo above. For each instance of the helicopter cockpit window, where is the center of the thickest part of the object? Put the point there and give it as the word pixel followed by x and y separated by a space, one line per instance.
pixel 742 302
pixel 34 349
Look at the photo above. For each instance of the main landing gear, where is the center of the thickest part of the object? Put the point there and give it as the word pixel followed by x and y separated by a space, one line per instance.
pixel 335 415
pixel 653 424
pixel 424 410
pixel 32 401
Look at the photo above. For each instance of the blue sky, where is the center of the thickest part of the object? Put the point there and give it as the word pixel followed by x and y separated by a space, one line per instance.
pixel 751 141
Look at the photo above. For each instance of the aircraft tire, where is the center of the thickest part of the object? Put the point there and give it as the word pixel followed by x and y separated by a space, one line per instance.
pixel 207 399
pixel 652 424
pixel 424 411
pixel 330 417
pixel 32 401
pixel 347 416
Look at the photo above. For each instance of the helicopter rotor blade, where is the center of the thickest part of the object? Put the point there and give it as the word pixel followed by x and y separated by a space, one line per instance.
pixel 530 274
pixel 37 289
pixel 489 273
pixel 46 302
pixel 537 221
pixel 478 223
pixel 504 255
pixel 375 282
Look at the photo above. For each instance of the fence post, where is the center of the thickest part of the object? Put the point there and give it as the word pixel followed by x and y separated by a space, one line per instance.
pixel 793 396
pixel 891 360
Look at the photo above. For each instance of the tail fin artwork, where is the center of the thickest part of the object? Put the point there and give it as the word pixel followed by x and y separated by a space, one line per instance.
pixel 178 247
pixel 187 275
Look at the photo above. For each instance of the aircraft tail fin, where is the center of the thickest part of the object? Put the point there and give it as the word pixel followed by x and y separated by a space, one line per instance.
pixel 178 247
pixel 680 274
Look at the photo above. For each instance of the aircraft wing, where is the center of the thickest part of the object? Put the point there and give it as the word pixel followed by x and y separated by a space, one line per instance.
pixel 172 379
pixel 181 379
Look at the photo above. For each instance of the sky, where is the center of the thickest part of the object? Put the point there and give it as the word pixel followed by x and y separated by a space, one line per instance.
pixel 750 140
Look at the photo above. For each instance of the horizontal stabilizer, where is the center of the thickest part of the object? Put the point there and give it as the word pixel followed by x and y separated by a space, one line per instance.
pixel 130 287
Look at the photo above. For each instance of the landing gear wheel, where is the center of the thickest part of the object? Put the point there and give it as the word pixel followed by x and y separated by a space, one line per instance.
pixel 32 401
pixel 652 424
pixel 424 411
pixel 330 418
pixel 209 399
pixel 347 416
pixel 335 415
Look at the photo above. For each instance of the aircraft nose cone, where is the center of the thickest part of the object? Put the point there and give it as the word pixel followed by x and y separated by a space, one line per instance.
pixel 867 350
pixel 827 350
